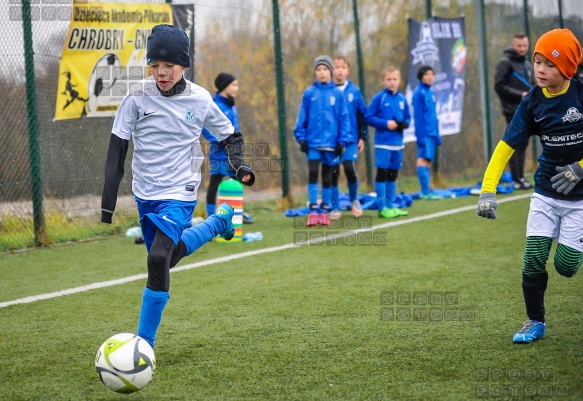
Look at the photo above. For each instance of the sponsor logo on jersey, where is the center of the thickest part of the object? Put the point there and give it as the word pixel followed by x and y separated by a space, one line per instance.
pixel 572 139
pixel 350 97
pixel 147 114
pixel 332 100
pixel 402 105
pixel 572 115
pixel 189 118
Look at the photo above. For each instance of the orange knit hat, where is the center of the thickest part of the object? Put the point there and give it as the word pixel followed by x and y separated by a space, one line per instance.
pixel 562 48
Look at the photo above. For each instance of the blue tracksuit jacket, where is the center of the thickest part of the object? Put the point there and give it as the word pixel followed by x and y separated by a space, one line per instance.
pixel 424 112
pixel 323 119
pixel 383 107
pixel 356 111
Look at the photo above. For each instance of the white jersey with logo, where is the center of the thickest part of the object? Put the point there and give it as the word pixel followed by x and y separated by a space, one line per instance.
pixel 167 156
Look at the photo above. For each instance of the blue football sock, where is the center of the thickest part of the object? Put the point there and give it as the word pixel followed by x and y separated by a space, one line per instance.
pixel 380 189
pixel 424 176
pixel 210 209
pixel 391 193
pixel 153 303
pixel 313 193
pixel 352 190
pixel 335 205
pixel 326 196
pixel 197 236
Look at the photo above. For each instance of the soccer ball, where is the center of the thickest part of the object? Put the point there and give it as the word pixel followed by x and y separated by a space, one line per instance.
pixel 125 363
pixel 103 93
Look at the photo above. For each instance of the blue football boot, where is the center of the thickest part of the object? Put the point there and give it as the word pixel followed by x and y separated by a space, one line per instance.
pixel 531 331
pixel 225 212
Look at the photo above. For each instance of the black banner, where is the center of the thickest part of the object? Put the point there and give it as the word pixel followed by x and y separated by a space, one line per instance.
pixel 184 19
pixel 440 43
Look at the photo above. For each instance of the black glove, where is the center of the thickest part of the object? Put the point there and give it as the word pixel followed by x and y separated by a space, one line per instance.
pixel 401 125
pixel 304 146
pixel 234 147
pixel 339 149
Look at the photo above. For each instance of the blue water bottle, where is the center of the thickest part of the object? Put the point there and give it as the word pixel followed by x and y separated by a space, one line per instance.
pixel 252 237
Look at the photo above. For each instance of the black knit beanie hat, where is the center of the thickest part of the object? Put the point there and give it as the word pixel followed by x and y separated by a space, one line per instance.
pixel 422 70
pixel 223 80
pixel 168 43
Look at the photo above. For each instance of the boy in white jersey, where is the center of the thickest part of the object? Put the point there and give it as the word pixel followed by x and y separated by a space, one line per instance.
pixel 553 111
pixel 164 115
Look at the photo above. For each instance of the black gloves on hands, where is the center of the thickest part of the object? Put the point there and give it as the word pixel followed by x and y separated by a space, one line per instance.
pixel 234 147
pixel 339 149
pixel 401 126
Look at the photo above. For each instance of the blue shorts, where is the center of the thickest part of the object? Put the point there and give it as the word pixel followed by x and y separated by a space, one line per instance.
pixel 220 167
pixel 426 147
pixel 171 217
pixel 388 159
pixel 327 157
pixel 350 153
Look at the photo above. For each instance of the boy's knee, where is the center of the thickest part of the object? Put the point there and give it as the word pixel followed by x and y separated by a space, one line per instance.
pixel 157 259
pixel 567 260
pixel 392 176
pixel 566 272
pixel 567 268
pixel 536 255
pixel 535 259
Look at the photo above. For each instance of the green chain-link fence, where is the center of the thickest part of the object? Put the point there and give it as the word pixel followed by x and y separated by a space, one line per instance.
pixel 235 37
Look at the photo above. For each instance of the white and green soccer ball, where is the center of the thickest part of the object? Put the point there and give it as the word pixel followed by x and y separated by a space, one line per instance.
pixel 125 363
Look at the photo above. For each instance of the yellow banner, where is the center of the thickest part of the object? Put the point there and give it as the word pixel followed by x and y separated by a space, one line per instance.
pixel 104 53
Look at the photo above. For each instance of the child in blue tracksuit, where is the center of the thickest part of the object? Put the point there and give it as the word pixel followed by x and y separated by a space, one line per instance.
pixel 322 130
pixel 227 89
pixel 388 113
pixel 356 109
pixel 426 129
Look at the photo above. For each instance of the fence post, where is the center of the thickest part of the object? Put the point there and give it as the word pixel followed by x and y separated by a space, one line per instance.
pixel 285 192
pixel 533 140
pixel 40 234
pixel 483 64
pixel 362 84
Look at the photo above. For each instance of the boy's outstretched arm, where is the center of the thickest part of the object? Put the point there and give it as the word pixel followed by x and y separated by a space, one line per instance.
pixel 114 171
pixel 487 203
pixel 234 146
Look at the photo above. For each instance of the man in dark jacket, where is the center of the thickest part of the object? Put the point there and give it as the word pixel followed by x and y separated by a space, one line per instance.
pixel 514 79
